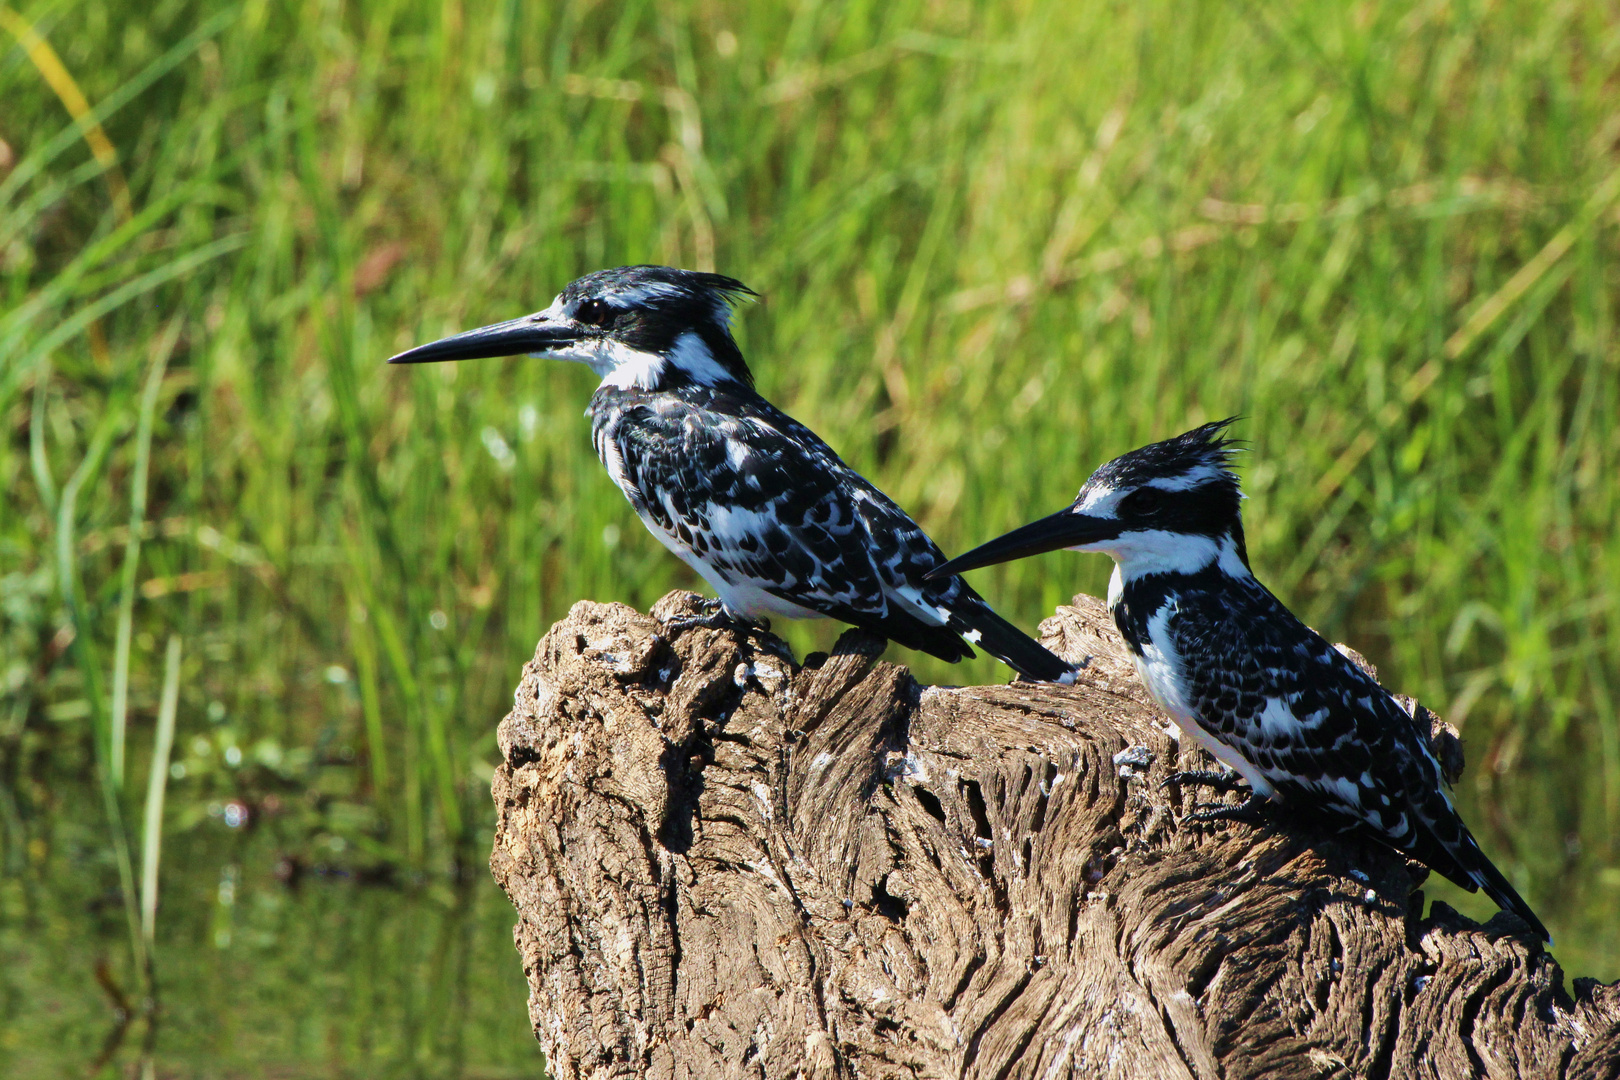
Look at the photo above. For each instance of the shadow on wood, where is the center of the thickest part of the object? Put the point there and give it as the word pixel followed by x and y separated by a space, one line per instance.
pixel 729 865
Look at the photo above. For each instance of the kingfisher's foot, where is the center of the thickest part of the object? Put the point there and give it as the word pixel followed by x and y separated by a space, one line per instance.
pixel 1218 779
pixel 1248 811
pixel 714 617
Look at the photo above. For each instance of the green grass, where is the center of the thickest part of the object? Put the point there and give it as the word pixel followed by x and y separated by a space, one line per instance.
pixel 998 244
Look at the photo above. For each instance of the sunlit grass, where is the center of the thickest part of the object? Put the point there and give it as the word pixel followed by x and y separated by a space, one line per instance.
pixel 997 245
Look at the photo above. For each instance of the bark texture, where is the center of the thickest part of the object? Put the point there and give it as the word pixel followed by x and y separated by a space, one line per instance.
pixel 729 865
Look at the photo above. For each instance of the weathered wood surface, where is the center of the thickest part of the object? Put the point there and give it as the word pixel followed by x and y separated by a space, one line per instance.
pixel 729 866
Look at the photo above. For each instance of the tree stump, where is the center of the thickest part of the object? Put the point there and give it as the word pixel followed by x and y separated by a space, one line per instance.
pixel 729 865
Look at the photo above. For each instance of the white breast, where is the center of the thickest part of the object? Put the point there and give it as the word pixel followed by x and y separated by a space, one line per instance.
pixel 1161 670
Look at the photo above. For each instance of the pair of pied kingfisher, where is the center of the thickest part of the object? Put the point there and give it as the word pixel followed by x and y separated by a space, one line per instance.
pixel 770 516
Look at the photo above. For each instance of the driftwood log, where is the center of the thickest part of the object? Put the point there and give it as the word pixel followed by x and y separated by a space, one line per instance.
pixel 729 865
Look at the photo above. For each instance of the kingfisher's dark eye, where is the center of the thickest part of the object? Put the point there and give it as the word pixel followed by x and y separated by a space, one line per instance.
pixel 594 313
pixel 1142 501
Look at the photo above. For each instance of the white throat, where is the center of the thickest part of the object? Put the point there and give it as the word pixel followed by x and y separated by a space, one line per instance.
pixel 1143 553
pixel 625 368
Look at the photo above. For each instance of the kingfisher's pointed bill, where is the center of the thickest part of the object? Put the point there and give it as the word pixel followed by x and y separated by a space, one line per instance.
pixel 516 337
pixel 1064 529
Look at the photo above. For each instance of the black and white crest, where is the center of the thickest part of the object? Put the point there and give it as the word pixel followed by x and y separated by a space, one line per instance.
pixel 1196 458
pixel 1238 672
pixel 752 500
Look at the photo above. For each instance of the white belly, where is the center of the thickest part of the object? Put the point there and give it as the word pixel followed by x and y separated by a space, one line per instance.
pixel 746 598
pixel 742 597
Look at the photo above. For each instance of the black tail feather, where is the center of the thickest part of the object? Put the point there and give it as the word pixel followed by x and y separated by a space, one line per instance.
pixel 966 616
pixel 1443 843
pixel 1483 874
pixel 973 619
pixel 913 633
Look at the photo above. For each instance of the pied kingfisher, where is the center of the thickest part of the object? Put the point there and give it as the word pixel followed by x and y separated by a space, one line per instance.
pixel 1239 672
pixel 751 499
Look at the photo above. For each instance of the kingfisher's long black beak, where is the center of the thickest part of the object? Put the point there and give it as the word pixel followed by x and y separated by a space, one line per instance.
pixel 515 337
pixel 1066 528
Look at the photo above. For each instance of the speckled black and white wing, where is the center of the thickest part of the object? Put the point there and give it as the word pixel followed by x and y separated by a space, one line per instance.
pixel 1318 730
pixel 779 525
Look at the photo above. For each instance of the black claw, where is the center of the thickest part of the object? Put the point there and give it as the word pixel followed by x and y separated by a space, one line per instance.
pixel 714 617
pixel 718 621
pixel 1248 811
pixel 1219 779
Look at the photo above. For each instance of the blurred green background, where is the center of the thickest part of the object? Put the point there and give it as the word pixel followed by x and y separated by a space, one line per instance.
pixel 997 242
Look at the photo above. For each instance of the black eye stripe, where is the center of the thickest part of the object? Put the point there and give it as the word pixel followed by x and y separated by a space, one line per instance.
pixel 1144 500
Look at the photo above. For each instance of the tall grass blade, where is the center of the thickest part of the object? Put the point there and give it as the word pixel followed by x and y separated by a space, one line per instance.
pixel 56 74
pixel 156 785
pixel 152 845
pixel 365 663
pixel 38 459
pixel 132 548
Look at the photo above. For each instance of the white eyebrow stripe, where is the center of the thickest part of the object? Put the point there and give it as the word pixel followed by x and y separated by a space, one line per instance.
pixel 633 295
pixel 1194 477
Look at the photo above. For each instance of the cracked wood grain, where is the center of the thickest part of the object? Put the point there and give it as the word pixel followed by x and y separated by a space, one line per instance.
pixel 726 864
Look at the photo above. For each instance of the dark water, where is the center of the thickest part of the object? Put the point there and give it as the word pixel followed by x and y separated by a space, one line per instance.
pixel 264 967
